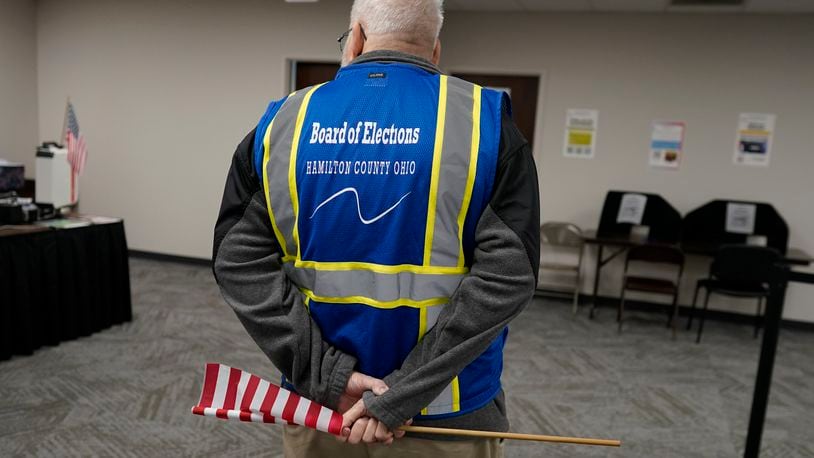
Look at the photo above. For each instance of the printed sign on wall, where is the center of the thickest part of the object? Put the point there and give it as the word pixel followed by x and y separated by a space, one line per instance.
pixel 753 145
pixel 666 144
pixel 580 133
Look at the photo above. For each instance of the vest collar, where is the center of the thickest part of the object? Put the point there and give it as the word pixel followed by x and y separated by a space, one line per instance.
pixel 396 56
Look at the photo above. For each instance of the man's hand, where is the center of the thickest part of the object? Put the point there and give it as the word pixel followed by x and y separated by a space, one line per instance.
pixel 357 427
pixel 358 383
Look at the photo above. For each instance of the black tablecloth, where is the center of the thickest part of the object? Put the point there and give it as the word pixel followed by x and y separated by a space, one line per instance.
pixel 61 284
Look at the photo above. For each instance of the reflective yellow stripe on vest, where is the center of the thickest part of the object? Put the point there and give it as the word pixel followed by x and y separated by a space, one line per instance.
pixel 427 286
pixel 456 162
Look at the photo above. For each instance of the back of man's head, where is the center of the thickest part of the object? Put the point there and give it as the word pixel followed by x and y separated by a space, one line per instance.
pixel 417 22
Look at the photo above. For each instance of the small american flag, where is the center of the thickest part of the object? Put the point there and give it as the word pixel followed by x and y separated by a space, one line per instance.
pixel 233 394
pixel 77 150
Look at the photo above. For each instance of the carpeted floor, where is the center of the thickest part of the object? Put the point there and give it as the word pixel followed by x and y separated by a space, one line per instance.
pixel 127 391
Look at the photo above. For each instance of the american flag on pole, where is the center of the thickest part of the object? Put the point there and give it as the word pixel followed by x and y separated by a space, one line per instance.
pixel 233 394
pixel 75 142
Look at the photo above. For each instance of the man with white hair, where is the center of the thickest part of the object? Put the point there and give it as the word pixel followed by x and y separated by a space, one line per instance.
pixel 377 234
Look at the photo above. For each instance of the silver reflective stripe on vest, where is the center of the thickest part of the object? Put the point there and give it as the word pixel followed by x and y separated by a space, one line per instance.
pixel 373 285
pixel 454 170
pixel 444 402
pixel 432 315
pixel 282 134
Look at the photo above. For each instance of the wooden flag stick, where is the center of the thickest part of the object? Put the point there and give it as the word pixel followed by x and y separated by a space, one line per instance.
pixel 61 138
pixel 516 436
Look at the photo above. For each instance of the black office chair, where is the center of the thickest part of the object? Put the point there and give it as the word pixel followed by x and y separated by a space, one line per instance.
pixel 657 255
pixel 739 271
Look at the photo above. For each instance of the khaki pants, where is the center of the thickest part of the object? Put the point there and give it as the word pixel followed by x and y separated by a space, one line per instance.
pixel 300 442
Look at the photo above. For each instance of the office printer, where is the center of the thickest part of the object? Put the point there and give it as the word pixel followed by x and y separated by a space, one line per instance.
pixel 56 183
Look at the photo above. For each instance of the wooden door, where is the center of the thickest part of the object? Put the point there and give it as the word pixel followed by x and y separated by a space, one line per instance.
pixel 304 74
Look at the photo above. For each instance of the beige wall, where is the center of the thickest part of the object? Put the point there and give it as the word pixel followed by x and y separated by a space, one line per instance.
pixel 703 69
pixel 18 82
pixel 164 91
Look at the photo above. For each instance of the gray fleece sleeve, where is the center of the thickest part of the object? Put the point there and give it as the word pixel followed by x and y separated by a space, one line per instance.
pixel 499 285
pixel 249 273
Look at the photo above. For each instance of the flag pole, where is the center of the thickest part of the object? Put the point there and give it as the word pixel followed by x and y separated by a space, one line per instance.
pixel 65 120
pixel 515 436
pixel 64 139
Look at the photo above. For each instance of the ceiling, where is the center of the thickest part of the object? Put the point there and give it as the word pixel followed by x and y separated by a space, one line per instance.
pixel 656 6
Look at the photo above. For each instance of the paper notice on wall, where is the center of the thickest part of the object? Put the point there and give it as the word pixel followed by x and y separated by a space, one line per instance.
pixel 666 143
pixel 753 144
pixel 580 133
pixel 631 209
pixel 740 218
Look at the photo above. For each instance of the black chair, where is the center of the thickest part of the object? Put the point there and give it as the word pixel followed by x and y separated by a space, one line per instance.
pixel 653 254
pixel 739 271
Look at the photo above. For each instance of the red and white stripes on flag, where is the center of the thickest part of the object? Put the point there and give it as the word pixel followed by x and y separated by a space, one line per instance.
pixel 77 152
pixel 74 141
pixel 233 394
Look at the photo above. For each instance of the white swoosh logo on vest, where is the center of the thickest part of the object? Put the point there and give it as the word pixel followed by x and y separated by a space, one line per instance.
pixel 358 206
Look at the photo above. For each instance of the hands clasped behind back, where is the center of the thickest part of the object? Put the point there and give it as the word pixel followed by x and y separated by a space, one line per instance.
pixel 357 425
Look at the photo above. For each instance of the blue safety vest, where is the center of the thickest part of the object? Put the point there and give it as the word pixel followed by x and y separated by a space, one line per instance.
pixel 374 183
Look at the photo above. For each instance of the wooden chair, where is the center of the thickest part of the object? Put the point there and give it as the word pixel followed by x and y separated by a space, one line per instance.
pixel 653 254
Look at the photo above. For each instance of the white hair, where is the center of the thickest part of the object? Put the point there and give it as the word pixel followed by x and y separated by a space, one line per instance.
pixel 419 20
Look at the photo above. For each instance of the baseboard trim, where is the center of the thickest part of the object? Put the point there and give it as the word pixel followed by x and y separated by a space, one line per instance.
pixel 683 310
pixel 170 258
pixel 797 325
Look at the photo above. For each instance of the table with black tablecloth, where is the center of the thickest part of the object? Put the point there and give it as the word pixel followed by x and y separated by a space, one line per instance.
pixel 58 284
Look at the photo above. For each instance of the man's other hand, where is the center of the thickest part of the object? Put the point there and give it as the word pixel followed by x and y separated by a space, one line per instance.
pixel 358 383
pixel 358 426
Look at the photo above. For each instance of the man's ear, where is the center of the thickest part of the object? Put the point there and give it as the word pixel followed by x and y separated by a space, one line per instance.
pixel 355 44
pixel 436 52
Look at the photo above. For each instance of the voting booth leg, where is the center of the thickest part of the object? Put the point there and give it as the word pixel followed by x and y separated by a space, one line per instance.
pixel 578 286
pixel 596 281
pixel 760 400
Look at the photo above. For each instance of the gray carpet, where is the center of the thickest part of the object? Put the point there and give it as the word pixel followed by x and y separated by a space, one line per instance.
pixel 127 391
